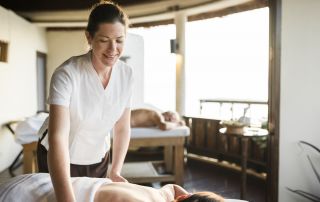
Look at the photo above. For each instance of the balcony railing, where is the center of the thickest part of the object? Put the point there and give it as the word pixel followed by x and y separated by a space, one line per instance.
pixel 205 140
pixel 246 105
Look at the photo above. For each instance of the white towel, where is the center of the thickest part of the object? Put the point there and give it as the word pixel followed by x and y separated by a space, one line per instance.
pixel 27 130
pixel 38 188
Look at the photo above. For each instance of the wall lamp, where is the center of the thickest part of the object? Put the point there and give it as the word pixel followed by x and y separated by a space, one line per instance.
pixel 174 46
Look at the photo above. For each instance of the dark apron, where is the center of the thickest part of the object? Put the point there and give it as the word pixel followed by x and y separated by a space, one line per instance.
pixel 94 170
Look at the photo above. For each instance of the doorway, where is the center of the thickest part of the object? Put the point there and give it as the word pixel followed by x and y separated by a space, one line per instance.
pixel 41 81
pixel 274 99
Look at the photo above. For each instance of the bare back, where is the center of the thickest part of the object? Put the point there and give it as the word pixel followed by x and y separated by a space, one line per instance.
pixel 145 118
pixel 127 192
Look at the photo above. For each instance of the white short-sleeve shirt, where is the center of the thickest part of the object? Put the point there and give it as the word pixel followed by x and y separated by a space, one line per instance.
pixel 93 109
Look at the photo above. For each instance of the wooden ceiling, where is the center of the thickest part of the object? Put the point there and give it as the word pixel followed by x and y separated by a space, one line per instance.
pixel 61 5
pixel 52 13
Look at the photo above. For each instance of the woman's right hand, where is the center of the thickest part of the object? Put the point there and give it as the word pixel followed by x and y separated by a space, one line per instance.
pixel 116 177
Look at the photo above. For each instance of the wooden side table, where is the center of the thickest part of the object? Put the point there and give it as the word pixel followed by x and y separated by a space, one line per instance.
pixel 248 133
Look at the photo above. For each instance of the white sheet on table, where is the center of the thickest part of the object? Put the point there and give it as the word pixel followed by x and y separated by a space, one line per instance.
pixel 27 130
pixel 156 133
pixel 38 188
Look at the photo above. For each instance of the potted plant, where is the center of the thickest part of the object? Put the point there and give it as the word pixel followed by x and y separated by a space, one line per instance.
pixel 233 126
pixel 304 194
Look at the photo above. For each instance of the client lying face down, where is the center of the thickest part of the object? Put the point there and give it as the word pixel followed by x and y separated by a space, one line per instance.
pixel 38 187
pixel 153 118
pixel 121 191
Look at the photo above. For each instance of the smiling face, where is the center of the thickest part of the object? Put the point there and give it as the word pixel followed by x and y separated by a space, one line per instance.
pixel 107 43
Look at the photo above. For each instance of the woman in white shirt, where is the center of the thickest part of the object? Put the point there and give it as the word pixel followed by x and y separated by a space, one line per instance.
pixel 89 96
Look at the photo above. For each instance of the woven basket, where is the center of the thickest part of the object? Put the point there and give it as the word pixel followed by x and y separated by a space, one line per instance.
pixel 239 130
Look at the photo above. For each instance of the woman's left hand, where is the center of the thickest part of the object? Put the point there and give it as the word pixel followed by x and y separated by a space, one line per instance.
pixel 115 177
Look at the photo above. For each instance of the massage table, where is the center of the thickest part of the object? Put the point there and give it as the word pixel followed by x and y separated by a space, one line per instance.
pixel 173 143
pixel 172 140
pixel 38 187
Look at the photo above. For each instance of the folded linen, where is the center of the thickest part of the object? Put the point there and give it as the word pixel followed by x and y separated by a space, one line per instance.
pixel 27 130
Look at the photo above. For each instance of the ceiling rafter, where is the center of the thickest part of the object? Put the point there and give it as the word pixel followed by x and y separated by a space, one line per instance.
pixel 73 13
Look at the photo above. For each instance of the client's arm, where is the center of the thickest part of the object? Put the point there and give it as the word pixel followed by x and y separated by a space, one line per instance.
pixel 163 124
pixel 172 191
pixel 169 125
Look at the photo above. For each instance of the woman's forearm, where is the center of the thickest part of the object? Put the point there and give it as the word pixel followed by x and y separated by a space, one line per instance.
pixel 59 168
pixel 120 146
pixel 58 154
pixel 121 139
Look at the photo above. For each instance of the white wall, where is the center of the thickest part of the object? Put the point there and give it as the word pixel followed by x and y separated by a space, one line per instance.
pixel 300 97
pixel 18 87
pixel 64 44
pixel 61 46
pixel 134 48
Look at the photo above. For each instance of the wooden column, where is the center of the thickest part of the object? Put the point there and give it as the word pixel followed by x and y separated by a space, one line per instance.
pixel 180 21
pixel 244 158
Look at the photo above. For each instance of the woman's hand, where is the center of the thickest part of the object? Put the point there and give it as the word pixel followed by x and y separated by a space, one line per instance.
pixel 121 139
pixel 58 154
pixel 116 177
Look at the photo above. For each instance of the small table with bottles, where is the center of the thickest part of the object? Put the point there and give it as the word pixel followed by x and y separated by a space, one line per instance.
pixel 247 134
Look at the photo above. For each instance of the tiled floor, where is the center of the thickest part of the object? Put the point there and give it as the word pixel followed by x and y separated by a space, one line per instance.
pixel 201 176
pixel 204 176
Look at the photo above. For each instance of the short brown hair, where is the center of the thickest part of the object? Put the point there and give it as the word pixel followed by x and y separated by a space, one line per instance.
pixel 106 12
pixel 203 197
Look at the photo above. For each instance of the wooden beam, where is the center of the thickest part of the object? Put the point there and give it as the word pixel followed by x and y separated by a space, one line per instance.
pixel 274 100
pixel 202 16
pixel 60 5
pixel 230 10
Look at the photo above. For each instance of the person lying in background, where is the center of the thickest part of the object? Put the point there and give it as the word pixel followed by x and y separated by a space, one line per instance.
pixel 152 118
pixel 38 187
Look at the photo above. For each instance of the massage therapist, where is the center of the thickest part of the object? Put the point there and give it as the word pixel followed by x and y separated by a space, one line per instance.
pixel 89 96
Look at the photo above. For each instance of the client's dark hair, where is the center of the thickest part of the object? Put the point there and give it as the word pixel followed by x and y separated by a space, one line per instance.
pixel 105 12
pixel 202 197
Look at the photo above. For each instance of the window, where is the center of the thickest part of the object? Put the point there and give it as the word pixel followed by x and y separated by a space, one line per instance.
pixel 3 51
pixel 227 58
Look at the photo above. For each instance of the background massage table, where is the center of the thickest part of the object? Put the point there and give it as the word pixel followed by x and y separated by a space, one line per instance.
pixel 141 172
pixel 173 142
